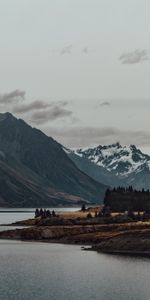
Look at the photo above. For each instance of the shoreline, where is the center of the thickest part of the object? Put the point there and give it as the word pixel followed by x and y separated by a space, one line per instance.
pixel 83 247
pixel 133 253
pixel 131 238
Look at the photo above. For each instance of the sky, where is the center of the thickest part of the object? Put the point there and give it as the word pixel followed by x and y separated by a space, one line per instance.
pixel 78 69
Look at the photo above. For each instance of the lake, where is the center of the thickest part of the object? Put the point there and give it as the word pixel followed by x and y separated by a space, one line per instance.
pixel 45 271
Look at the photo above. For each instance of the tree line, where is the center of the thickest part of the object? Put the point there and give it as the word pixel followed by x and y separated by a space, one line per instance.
pixel 122 199
pixel 44 213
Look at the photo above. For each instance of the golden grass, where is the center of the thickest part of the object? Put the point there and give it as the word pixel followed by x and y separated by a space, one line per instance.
pixel 75 215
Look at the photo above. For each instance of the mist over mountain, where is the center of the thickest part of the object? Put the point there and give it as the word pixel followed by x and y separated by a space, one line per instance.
pixel 35 171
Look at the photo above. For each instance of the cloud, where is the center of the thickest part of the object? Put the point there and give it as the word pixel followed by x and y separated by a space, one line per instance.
pixel 134 57
pixel 51 114
pixel 38 111
pixel 89 136
pixel 85 50
pixel 105 103
pixel 13 96
pixel 35 105
pixel 66 50
pixel 69 48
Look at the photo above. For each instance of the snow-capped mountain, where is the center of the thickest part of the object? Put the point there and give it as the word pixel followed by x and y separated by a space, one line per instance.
pixel 114 164
pixel 123 160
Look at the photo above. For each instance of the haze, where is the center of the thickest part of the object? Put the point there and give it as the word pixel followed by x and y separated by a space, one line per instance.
pixel 78 69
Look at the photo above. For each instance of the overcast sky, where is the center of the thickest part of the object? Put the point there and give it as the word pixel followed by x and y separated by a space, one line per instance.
pixel 78 69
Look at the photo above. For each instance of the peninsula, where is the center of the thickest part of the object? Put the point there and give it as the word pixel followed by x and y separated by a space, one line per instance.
pixel 114 233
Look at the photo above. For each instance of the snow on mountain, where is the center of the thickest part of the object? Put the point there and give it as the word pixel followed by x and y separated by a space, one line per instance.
pixel 121 160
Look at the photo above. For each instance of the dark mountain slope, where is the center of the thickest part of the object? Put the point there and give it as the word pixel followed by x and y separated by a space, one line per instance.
pixel 44 157
pixel 96 172
pixel 20 187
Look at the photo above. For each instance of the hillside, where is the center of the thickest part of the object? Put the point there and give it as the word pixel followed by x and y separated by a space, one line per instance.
pixel 96 172
pixel 34 155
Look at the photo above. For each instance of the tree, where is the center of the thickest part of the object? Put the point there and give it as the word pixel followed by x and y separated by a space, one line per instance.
pixel 53 213
pixel 89 216
pixel 41 212
pixel 96 215
pixel 83 208
pixel 48 214
pixel 37 213
pixel 106 211
pixel 130 213
pixel 44 213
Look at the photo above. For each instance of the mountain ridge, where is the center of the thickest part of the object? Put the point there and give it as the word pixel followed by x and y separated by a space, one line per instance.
pixel 118 165
pixel 31 151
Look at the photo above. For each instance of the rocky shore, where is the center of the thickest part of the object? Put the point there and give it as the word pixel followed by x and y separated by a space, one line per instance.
pixel 131 238
pixel 132 242
pixel 77 234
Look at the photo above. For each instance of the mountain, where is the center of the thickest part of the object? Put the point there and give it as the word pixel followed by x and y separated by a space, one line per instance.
pixel 95 171
pixel 35 171
pixel 20 187
pixel 115 165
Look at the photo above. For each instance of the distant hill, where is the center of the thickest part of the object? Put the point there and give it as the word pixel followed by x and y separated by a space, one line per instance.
pixel 35 171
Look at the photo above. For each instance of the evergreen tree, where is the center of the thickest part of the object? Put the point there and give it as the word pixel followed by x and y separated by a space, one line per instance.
pixel 37 213
pixel 83 208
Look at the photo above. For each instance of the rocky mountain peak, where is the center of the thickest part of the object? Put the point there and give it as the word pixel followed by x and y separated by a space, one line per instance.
pixel 6 116
pixel 117 158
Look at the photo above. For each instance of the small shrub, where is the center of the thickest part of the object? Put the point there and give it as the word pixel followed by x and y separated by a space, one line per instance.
pixel 89 216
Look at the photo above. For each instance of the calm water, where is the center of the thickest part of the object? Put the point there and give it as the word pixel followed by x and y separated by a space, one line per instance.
pixel 34 271
pixel 53 271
